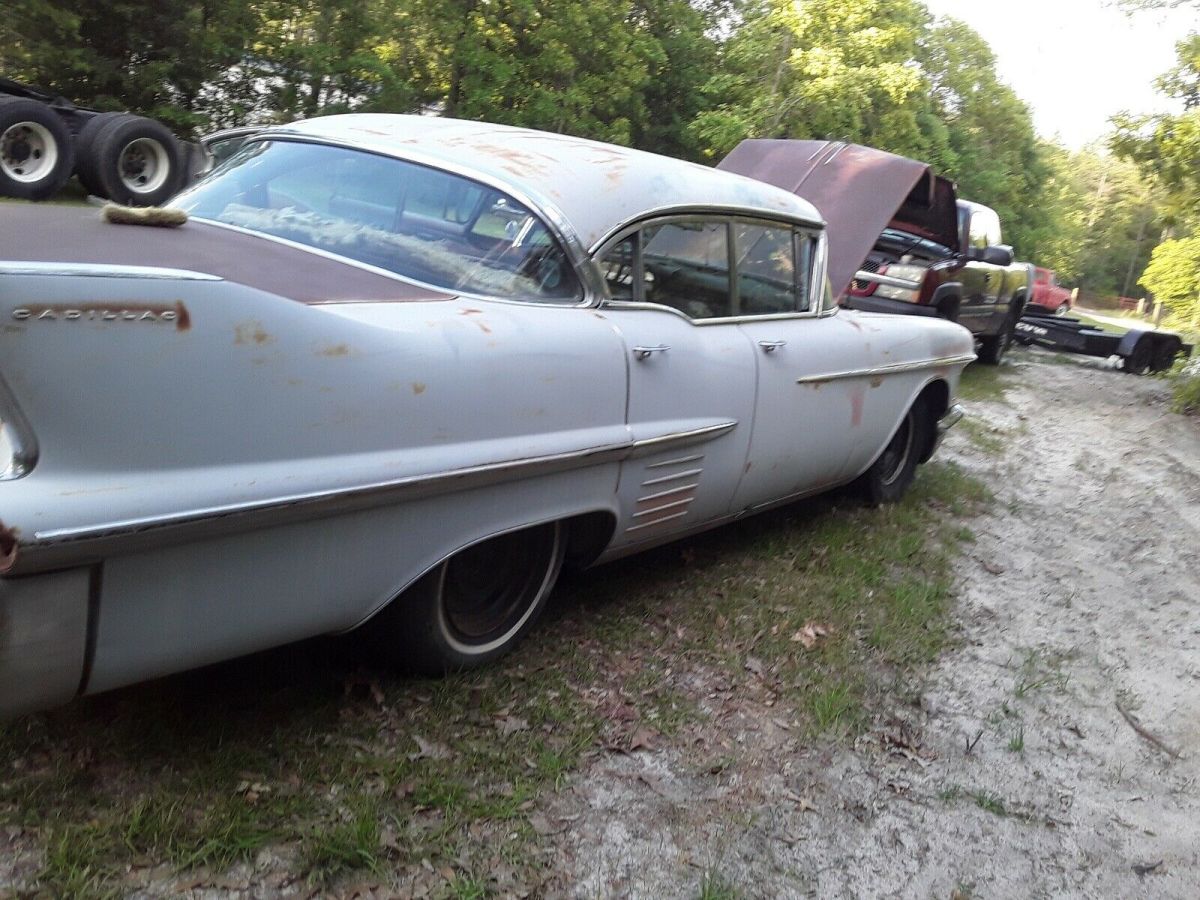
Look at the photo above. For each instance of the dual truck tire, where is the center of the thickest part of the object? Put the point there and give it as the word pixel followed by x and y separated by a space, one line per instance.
pixel 125 158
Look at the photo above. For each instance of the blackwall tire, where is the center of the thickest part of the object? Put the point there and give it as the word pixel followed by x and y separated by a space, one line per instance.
pixel 993 347
pixel 36 152
pixel 474 607
pixel 85 169
pixel 893 471
pixel 135 161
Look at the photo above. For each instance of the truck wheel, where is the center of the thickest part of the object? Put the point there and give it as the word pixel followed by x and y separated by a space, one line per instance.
pixel 134 160
pixel 84 169
pixel 892 473
pixel 36 156
pixel 1064 309
pixel 475 606
pixel 992 347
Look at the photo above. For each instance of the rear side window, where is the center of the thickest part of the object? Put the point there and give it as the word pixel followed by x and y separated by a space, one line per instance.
pixel 713 268
pixel 432 226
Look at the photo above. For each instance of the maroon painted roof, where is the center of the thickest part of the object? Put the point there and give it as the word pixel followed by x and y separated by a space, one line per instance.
pixel 73 234
pixel 858 190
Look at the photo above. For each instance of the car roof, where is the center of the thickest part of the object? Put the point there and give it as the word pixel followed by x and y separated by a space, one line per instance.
pixel 595 187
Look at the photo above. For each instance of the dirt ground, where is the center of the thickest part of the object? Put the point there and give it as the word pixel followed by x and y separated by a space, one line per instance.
pixel 1051 753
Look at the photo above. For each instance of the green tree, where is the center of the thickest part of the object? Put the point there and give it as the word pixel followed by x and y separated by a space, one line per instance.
pixel 1173 276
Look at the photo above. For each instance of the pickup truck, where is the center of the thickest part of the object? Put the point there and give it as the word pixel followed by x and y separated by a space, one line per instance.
pixel 1048 295
pixel 912 248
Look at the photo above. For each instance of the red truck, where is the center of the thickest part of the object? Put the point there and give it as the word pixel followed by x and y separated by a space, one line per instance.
pixel 1048 295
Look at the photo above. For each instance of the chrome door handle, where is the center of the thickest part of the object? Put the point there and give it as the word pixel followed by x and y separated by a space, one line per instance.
pixel 771 346
pixel 647 352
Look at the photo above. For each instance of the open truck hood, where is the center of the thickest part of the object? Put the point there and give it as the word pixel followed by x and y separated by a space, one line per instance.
pixel 859 190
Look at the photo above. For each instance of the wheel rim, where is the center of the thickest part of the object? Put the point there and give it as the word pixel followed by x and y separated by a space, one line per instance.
pixel 489 591
pixel 143 166
pixel 896 453
pixel 28 152
pixel 1062 310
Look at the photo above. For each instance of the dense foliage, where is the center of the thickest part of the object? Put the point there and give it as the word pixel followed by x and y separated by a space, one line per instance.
pixel 1167 149
pixel 688 78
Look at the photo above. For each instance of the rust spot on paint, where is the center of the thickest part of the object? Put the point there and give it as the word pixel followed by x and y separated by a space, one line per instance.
pixel 418 387
pixel 336 350
pixel 876 381
pixel 471 311
pixel 251 332
pixel 857 395
pixel 853 323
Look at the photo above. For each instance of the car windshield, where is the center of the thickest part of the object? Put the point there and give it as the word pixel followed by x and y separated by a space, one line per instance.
pixel 428 225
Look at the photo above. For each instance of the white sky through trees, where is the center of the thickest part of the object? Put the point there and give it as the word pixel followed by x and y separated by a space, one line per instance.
pixel 1077 62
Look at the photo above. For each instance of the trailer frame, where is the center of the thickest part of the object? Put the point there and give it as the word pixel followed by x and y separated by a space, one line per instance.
pixel 1141 352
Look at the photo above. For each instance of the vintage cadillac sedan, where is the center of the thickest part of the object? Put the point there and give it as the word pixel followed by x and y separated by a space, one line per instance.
pixel 398 370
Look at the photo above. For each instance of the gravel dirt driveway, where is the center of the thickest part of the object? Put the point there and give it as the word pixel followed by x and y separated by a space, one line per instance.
pixel 1051 753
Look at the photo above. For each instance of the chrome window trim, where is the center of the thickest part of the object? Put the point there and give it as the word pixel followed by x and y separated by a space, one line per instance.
pixel 892 369
pixel 730 211
pixel 104 270
pixel 551 216
pixel 63 546
pixel 729 216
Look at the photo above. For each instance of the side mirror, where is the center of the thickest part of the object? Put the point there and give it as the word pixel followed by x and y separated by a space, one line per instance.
pixel 993 256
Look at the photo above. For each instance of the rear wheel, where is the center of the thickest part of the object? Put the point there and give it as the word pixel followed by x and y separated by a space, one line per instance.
pixel 134 160
pixel 36 156
pixel 892 473
pixel 992 347
pixel 475 606
pixel 1064 309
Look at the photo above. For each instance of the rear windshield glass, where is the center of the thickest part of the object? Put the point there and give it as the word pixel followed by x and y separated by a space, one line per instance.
pixel 431 226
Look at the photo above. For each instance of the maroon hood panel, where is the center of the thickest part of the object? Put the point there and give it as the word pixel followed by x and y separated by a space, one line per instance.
pixel 859 192
pixel 72 234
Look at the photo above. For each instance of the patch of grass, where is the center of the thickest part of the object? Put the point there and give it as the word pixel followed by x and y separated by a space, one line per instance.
pixel 1016 743
pixel 985 383
pixel 342 769
pixel 983 437
pixel 1185 395
pixel 990 802
pixel 1106 326
pixel 344 846
pixel 1039 671
pixel 714 886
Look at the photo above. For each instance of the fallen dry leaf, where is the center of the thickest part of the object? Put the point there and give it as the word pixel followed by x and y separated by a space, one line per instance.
pixel 643 739
pixel 993 568
pixel 429 750
pixel 508 725
pixel 809 634
pixel 755 665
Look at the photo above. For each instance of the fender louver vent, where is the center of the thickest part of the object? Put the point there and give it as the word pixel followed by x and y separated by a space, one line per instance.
pixel 669 489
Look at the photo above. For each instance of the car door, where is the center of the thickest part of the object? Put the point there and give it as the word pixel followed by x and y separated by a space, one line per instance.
pixel 692 377
pixel 803 427
pixel 982 282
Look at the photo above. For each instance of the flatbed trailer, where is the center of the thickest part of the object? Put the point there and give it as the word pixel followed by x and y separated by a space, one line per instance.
pixel 1141 352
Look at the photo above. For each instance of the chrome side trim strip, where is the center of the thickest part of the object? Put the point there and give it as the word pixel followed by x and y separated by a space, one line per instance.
pixel 669 492
pixel 99 270
pixel 641 525
pixel 914 366
pixel 61 546
pixel 656 510
pixel 646 446
pixel 665 478
pixel 676 462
